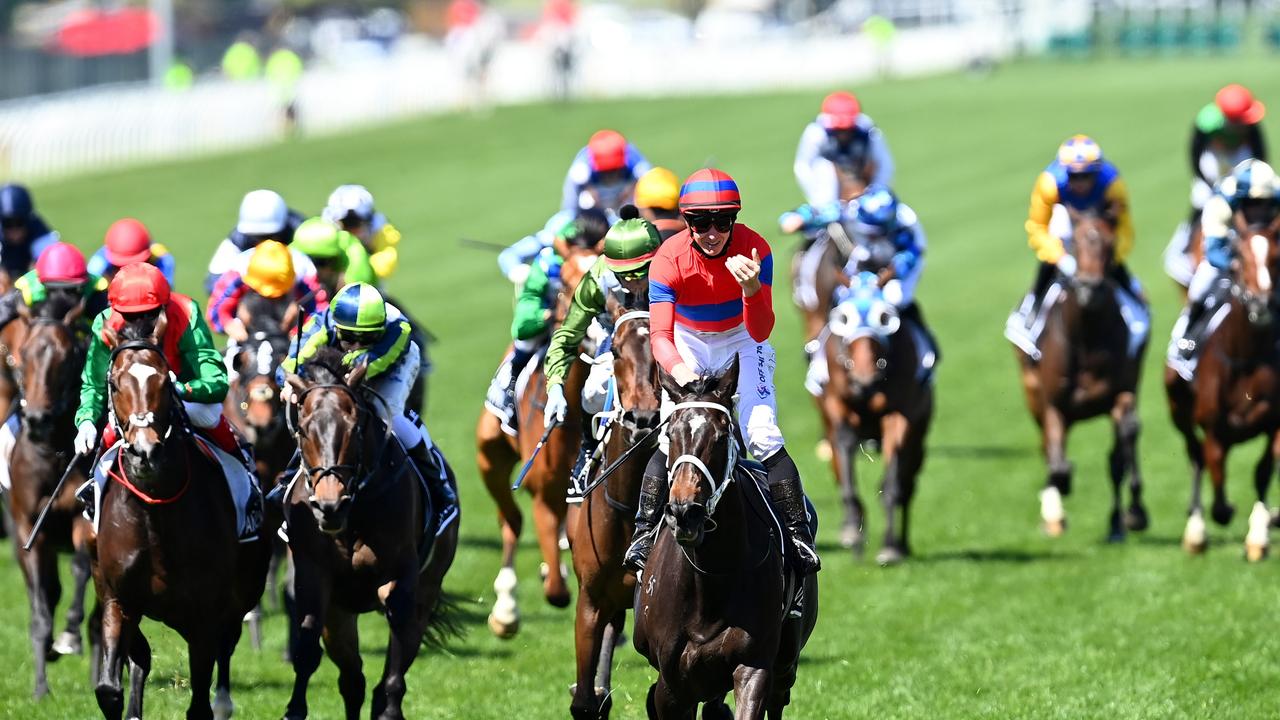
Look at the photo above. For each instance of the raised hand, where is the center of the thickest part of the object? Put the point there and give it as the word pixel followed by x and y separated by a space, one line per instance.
pixel 746 271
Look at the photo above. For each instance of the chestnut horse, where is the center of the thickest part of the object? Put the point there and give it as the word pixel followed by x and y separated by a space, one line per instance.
pixel 880 391
pixel 357 519
pixel 1235 391
pixel 497 455
pixel 601 528
pixel 712 606
pixel 167 543
pixel 1086 368
pixel 47 366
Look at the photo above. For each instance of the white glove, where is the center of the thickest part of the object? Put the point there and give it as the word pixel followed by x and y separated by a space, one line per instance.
pixel 557 406
pixel 518 274
pixel 1067 265
pixel 86 438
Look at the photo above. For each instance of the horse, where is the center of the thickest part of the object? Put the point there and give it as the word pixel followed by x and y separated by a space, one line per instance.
pixel 47 366
pixel 548 477
pixel 712 607
pixel 1088 365
pixel 878 390
pixel 167 542
pixel 600 530
pixel 357 523
pixel 1234 394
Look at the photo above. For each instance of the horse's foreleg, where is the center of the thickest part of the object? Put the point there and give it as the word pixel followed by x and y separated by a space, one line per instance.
pixel 403 643
pixel 117 630
pixel 891 488
pixel 202 653
pixel 663 704
pixel 1053 515
pixel 548 512
pixel 588 635
pixel 1128 427
pixel 139 669
pixel 342 643
pixel 223 707
pixel 311 603
pixel 69 642
pixel 613 634
pixel 40 570
pixel 844 446
pixel 1258 540
pixel 1215 460
pixel 751 686
pixel 495 460
pixel 1116 464
pixel 1194 538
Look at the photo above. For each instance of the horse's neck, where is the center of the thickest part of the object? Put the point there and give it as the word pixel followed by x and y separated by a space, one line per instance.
pixel 725 551
pixel 1249 341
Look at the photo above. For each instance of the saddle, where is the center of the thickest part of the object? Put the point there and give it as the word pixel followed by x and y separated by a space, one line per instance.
pixel 752 474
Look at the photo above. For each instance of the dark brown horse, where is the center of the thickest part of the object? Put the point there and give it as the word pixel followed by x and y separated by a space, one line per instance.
pixel 600 530
pixel 1235 392
pixel 1086 369
pixel 712 605
pixel 497 455
pixel 167 545
pixel 357 523
pixel 47 367
pixel 878 391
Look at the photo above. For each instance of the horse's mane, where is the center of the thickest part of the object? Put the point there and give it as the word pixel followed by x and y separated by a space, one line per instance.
pixel 59 302
pixel 266 314
pixel 139 328
pixel 326 367
pixel 703 386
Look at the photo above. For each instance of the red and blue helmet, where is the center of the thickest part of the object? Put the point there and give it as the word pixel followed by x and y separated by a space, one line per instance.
pixel 710 189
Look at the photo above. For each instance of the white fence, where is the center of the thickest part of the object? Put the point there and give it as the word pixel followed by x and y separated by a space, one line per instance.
pixel 62 135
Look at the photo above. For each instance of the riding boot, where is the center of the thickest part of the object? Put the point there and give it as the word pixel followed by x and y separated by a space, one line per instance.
pixel 1190 340
pixel 277 495
pixel 788 498
pixel 1044 278
pixel 653 496
pixel 581 473
pixel 226 439
pixel 444 499
pixel 520 358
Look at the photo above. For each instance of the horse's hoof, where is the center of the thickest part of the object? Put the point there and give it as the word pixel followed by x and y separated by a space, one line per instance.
pixel 851 538
pixel 823 451
pixel 1254 552
pixel 504 630
pixel 1223 513
pixel 1116 536
pixel 1053 515
pixel 68 643
pixel 560 600
pixel 889 556
pixel 1054 528
pixel 1136 519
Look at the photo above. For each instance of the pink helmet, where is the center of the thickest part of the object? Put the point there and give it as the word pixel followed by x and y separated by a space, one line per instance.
pixel 62 263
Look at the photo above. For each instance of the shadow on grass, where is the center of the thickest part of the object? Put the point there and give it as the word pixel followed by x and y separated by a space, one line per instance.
pixel 995 555
pixel 1154 540
pixel 981 452
pixel 484 543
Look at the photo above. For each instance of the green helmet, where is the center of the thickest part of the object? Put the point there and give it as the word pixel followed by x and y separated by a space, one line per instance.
pixel 318 238
pixel 630 245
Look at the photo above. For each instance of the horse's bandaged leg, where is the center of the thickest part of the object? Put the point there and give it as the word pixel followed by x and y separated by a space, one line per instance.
pixel 8 438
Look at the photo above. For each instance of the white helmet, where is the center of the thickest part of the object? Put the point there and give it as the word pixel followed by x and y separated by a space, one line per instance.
pixel 1252 179
pixel 262 212
pixel 347 200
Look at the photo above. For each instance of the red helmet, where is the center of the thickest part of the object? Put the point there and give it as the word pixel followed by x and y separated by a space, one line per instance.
pixel 1239 105
pixel 607 150
pixel 138 287
pixel 840 111
pixel 127 242
pixel 62 263
pixel 710 189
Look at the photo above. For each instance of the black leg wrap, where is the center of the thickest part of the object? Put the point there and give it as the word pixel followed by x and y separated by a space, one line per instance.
pixel 653 497
pixel 788 497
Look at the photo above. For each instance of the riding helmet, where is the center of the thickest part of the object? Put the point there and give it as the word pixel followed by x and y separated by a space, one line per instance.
pixel 139 287
pixel 127 241
pixel 630 245
pixel 61 264
pixel 359 308
pixel 15 203
pixel 709 189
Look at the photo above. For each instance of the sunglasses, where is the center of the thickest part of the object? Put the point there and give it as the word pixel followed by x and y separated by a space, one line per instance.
pixel 723 222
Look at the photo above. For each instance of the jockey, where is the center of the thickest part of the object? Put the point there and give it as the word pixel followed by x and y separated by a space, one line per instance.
pixel 128 241
pixel 658 198
pixel 269 273
pixel 60 269
pixel 337 255
pixel 351 207
pixel 710 295
pixel 1080 179
pixel 841 137
pixel 603 174
pixel 532 318
pixel 1252 192
pixel 263 216
pixel 1226 132
pixel 370 330
pixel 629 247
pixel 139 292
pixel 23 233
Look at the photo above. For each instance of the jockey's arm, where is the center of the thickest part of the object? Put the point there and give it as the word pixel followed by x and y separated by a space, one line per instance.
pixel 882 161
pixel 910 245
pixel 1117 197
pixel 530 318
pixel 204 373
pixel 1215 223
pixel 387 351
pixel 358 267
pixel 385 256
pixel 98 263
pixel 165 262
pixel 225 300
pixel 815 175
pixel 93 379
pixel 315 335
pixel 588 302
pixel 1044 196
pixel 1199 143
pixel 757 309
pixel 664 284
pixel 515 259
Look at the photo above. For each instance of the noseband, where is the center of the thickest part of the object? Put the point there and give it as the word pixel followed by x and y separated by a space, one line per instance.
pixel 357 473
pixel 177 411
pixel 731 460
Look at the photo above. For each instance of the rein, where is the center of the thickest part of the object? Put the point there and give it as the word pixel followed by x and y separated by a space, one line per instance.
pixel 359 478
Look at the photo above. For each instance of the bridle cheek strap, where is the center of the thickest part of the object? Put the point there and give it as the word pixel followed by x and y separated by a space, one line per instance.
pixel 717 487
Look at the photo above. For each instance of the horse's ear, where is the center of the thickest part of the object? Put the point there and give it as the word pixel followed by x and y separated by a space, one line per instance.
pixel 162 324
pixel 74 313
pixel 24 311
pixel 290 317
pixel 296 382
pixel 110 338
pixel 669 384
pixel 356 376
pixel 726 382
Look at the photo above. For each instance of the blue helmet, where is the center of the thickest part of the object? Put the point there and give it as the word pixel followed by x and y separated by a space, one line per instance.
pixel 875 211
pixel 15 203
pixel 359 309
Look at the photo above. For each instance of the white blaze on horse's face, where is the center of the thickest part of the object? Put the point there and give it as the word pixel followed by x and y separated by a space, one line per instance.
pixel 141 372
pixel 696 423
pixel 1260 247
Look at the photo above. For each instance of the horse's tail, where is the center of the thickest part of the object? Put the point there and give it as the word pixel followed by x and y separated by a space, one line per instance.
pixel 448 621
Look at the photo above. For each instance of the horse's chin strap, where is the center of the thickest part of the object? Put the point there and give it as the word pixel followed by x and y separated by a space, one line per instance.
pixel 717 488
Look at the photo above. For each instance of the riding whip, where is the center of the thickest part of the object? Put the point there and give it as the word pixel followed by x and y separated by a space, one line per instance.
pixel 525 471
pixel 605 473
pixel 35 529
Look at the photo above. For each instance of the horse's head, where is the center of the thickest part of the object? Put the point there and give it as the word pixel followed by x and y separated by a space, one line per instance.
pixel 142 399
pixel 268 322
pixel 1093 243
pixel 703 450
pixel 634 369
pixel 863 323
pixel 1257 263
pixel 330 429
pixel 577 261
pixel 48 366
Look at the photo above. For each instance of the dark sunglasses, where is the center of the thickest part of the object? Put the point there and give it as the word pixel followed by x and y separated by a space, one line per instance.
pixel 701 223
pixel 361 339
pixel 12 223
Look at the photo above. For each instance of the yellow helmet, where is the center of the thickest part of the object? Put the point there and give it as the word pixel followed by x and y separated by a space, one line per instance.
pixel 658 188
pixel 270 272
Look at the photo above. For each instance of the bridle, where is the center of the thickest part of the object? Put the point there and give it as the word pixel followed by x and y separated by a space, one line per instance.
pixel 718 486
pixel 177 411
pixel 353 475
pixel 75 357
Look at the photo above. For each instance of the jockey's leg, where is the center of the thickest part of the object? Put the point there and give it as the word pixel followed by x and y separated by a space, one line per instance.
pixel 520 357
pixel 208 420
pixel 394 387
pixel 1044 277
pixel 1187 329
pixel 596 398
pixel 1127 282
pixel 653 497
pixel 902 294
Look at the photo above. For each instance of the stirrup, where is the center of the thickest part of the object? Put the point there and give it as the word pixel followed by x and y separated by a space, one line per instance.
pixel 637 553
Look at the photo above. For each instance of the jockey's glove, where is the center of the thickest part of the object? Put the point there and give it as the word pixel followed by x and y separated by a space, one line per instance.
pixel 557 406
pixel 1067 265
pixel 86 438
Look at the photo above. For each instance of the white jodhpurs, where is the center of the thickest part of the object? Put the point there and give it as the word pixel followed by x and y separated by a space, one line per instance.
pixel 393 387
pixel 1201 281
pixel 757 403
pixel 901 292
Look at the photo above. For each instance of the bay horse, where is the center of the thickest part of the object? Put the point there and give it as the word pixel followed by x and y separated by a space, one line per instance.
pixel 167 542
pixel 498 454
pixel 357 519
pixel 601 529
pixel 877 391
pixel 1235 391
pixel 712 606
pixel 47 366
pixel 1086 368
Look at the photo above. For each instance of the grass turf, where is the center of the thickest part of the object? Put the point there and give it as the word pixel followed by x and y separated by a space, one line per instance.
pixel 990 619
